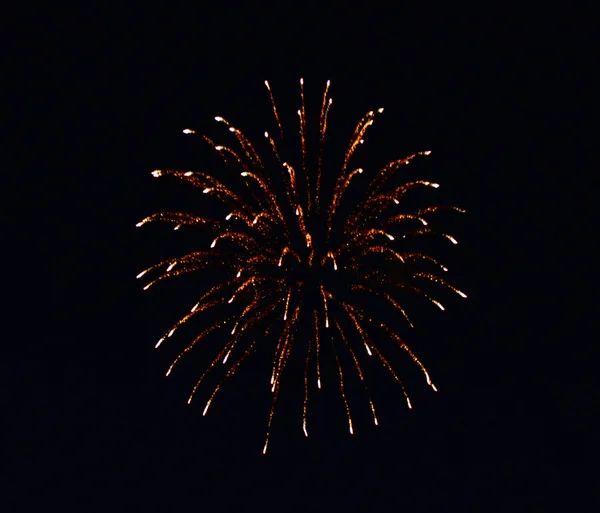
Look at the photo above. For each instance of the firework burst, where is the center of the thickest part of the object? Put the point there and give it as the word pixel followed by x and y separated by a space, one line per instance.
pixel 298 265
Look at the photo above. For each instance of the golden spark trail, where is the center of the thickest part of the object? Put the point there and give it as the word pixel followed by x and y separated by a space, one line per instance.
pixel 316 322
pixel 421 293
pixel 286 347
pixel 276 383
pixel 342 388
pixel 386 172
pixel 225 349
pixel 358 369
pixel 274 147
pixel 191 345
pixel 389 367
pixel 302 113
pixel 386 296
pixel 436 279
pixel 245 143
pixel 269 194
pixel 287 303
pixel 380 249
pixel 274 109
pixel 229 373
pixel 275 395
pixel 358 327
pixel 329 102
pixel 325 305
pixel 403 346
pixel 305 387
pixel 413 257
pixel 321 142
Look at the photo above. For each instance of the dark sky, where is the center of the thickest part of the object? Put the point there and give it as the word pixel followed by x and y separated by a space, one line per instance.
pixel 97 99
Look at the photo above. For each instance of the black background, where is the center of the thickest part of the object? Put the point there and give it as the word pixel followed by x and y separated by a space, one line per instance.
pixel 96 98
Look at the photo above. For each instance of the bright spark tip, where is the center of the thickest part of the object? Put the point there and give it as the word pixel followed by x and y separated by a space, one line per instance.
pixel 188 173
pixel 218 118
pixel 206 190
pixel 380 110
pixel 188 131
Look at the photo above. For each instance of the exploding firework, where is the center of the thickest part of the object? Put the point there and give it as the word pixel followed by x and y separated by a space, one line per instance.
pixel 297 264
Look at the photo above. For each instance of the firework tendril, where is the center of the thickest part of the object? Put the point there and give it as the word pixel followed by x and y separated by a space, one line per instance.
pixel 289 272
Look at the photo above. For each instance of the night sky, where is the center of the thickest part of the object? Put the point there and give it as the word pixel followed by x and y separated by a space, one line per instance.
pixel 97 99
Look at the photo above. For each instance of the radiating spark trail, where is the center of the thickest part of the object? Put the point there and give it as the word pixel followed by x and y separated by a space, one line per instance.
pixel 403 346
pixel 318 348
pixel 287 304
pixel 359 370
pixel 322 128
pixel 441 281
pixel 325 306
pixel 342 388
pixel 276 243
pixel 274 109
pixel 275 395
pixel 229 373
pixel 305 387
pixel 389 367
pixel 302 113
